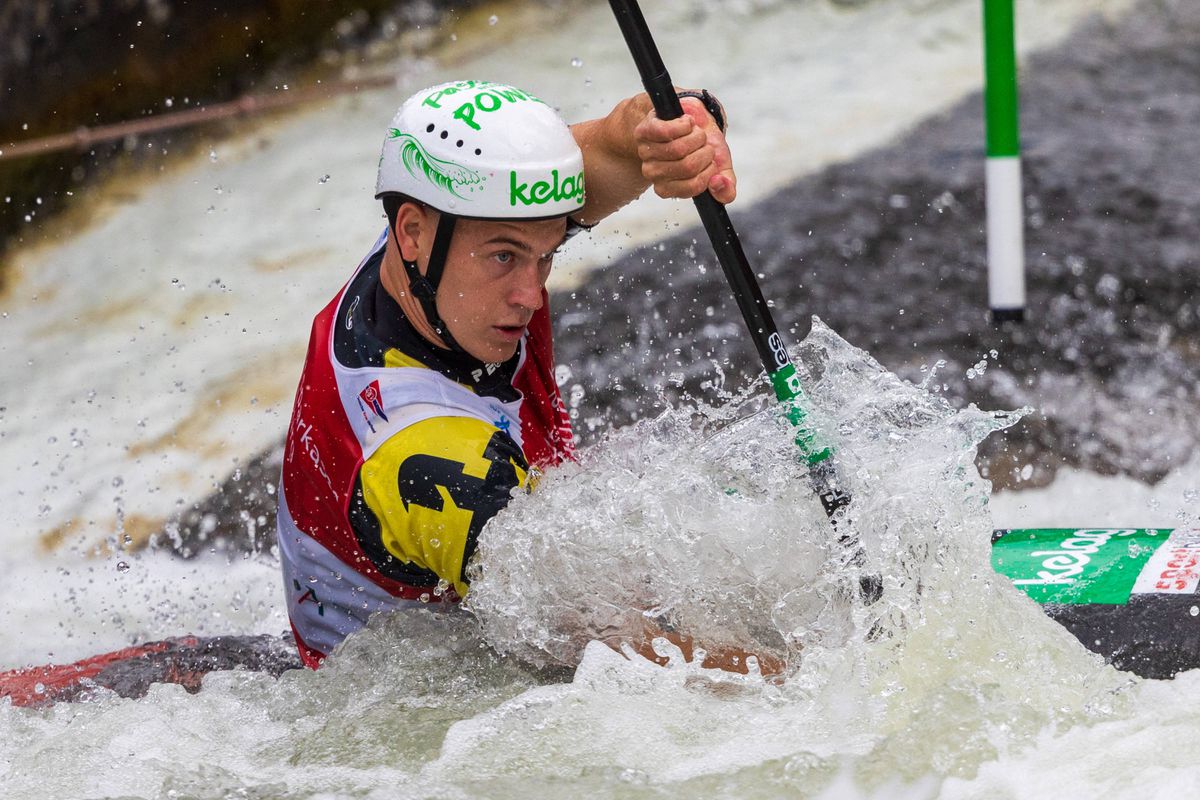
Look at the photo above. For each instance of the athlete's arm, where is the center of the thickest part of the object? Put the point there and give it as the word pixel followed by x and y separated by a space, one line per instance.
pixel 428 491
pixel 631 149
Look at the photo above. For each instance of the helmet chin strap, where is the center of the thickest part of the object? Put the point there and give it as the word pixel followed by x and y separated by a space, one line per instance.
pixel 424 287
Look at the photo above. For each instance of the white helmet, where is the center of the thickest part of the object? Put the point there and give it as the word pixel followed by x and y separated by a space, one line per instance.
pixel 478 150
pixel 482 150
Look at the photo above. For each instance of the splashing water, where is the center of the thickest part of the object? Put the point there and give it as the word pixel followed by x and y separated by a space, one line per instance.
pixel 701 518
pixel 704 518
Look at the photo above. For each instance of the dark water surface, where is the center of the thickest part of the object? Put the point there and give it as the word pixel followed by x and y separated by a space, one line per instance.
pixel 889 250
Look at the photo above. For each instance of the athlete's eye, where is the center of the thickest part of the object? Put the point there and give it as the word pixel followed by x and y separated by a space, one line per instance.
pixel 504 257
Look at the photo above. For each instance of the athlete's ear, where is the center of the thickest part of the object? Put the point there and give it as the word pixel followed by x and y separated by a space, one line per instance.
pixel 414 229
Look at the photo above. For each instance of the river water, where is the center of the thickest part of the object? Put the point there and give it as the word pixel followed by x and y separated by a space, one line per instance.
pixel 146 367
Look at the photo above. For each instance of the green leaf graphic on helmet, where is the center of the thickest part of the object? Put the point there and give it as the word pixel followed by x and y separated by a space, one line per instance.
pixel 481 150
pixel 445 174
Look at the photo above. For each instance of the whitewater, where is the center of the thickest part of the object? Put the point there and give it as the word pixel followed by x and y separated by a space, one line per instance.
pixel 153 348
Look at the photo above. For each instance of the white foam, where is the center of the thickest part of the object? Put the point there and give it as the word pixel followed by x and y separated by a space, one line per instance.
pixel 1084 499
pixel 952 685
pixel 80 605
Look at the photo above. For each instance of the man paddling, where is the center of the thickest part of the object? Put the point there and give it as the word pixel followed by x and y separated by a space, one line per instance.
pixel 428 393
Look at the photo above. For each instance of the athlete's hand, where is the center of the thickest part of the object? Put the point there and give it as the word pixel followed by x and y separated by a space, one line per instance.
pixel 682 157
pixel 728 659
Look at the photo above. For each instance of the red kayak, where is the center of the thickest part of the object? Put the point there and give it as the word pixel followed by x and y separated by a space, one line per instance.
pixel 130 672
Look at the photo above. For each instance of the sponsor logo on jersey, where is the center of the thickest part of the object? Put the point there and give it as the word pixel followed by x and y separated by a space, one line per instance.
pixel 302 434
pixel 309 595
pixel 487 369
pixel 370 402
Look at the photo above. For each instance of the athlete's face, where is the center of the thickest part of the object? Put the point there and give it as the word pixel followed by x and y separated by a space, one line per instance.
pixel 493 281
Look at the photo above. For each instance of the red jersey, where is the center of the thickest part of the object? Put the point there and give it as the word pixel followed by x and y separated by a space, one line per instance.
pixel 397 454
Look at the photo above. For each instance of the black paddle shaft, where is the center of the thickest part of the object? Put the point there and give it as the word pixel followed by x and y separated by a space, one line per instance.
pixel 770 346
pixel 716 220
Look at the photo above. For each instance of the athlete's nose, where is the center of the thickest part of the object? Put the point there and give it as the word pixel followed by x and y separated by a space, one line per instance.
pixel 527 291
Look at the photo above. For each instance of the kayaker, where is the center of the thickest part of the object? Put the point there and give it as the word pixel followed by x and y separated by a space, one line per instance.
pixel 429 389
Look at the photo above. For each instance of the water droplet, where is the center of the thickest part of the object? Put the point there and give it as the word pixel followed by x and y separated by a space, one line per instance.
pixel 122 566
pixel 39 688
pixel 577 62
pixel 424 598
pixel 493 19
pixel 323 179
pixel 212 156
pixel 634 776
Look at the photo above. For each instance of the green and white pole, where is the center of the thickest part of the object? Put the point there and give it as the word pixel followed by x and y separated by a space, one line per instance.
pixel 1005 222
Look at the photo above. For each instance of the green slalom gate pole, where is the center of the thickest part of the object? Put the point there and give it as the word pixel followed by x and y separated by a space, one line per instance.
pixel 771 348
pixel 1005 226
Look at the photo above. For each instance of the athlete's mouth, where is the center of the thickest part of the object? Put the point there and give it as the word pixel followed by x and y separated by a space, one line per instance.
pixel 515 331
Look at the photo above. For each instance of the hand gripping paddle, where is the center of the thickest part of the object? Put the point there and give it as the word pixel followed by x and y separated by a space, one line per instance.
pixel 724 238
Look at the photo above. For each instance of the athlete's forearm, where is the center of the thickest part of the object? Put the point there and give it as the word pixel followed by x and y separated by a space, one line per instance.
pixel 611 166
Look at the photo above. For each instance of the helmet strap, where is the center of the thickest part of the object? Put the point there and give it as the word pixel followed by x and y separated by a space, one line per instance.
pixel 424 287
